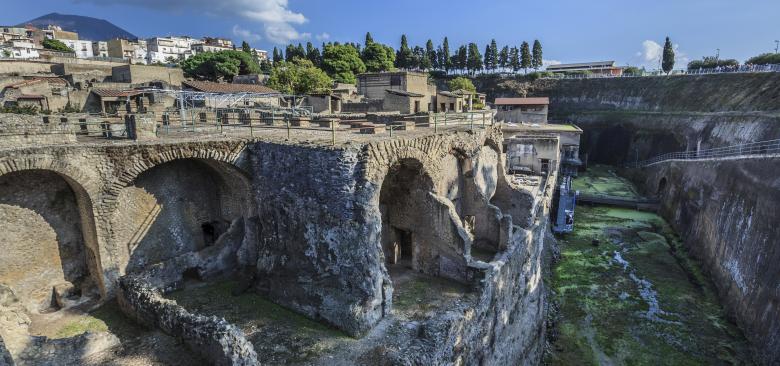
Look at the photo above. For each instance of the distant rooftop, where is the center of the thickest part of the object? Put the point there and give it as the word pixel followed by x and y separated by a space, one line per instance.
pixel 582 66
pixel 523 101
pixel 211 87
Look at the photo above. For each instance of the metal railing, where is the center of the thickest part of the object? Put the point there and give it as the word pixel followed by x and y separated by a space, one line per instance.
pixel 754 148
pixel 702 71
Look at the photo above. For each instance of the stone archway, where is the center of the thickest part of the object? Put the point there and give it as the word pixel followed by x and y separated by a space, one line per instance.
pixel 178 207
pixel 51 256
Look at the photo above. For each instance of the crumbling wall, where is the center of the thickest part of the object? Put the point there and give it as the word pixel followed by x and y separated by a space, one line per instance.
pixel 212 338
pixel 726 214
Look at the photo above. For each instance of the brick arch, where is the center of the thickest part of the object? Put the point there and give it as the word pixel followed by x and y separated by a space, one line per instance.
pixel 145 160
pixel 75 176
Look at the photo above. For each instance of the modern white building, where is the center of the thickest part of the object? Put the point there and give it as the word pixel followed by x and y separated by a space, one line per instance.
pixel 19 48
pixel 161 49
pixel 100 49
pixel 82 48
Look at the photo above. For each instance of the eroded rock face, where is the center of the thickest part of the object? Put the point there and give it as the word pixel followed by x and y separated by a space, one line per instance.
pixel 42 244
pixel 727 214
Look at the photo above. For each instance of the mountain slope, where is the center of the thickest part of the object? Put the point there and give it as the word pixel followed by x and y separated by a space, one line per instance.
pixel 88 28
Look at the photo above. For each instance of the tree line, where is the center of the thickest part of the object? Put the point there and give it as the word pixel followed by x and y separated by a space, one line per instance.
pixel 305 69
pixel 377 57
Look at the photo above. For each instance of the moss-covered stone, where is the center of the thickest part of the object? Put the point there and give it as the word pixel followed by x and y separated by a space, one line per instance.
pixel 636 298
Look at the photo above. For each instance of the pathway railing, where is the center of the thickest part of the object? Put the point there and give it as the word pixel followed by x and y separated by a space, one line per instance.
pixel 753 148
pixel 701 71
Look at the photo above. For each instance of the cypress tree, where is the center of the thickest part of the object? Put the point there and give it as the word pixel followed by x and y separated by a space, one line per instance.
pixel 514 60
pixel 537 60
pixel 462 58
pixel 493 54
pixel 488 58
pixel 246 48
pixel 404 59
pixel 503 58
pixel 277 56
pixel 430 54
pixel 445 56
pixel 668 58
pixel 474 62
pixel 369 39
pixel 525 56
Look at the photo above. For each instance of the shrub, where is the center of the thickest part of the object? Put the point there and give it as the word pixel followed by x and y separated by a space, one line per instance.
pixel 55 45
pixel 765 59
pixel 711 63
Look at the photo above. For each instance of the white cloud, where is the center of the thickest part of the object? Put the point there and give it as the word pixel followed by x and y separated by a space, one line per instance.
pixel 652 52
pixel 245 34
pixel 322 37
pixel 278 20
pixel 546 63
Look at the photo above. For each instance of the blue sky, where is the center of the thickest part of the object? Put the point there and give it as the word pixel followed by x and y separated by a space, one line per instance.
pixel 570 31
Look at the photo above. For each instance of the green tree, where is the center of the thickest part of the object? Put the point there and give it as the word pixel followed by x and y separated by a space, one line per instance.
pixel 536 60
pixel 492 49
pixel 460 82
pixel 369 39
pixel 300 52
pixel 525 56
pixel 503 58
pixel 488 58
pixel 474 63
pixel 421 60
pixel 222 65
pixel 667 64
pixel 246 48
pixel 444 56
pixel 55 45
pixel 378 57
pixel 313 54
pixel 514 60
pixel 277 56
pixel 299 77
pixel 266 67
pixel 462 58
pixel 764 59
pixel 342 62
pixel 430 54
pixel 404 59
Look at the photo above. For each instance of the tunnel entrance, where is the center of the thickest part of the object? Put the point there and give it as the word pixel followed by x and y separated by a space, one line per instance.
pixel 46 258
pixel 178 207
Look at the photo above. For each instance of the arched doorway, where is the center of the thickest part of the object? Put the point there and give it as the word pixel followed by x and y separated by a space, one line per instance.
pixel 49 248
pixel 403 190
pixel 179 207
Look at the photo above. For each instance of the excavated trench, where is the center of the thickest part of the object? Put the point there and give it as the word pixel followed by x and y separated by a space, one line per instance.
pixel 628 293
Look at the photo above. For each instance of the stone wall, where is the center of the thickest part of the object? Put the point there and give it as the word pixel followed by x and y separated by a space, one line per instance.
pixel 726 214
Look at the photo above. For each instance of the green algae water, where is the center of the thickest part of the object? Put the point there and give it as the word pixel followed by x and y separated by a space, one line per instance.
pixel 634 297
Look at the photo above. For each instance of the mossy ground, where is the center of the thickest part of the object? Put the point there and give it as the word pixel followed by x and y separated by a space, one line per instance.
pixel 602 180
pixel 636 298
pixel 279 335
